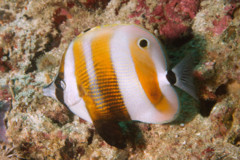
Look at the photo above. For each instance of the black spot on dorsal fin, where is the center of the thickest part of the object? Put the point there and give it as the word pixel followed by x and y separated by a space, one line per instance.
pixel 171 77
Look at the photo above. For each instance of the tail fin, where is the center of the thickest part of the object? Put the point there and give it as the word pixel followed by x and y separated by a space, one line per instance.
pixel 184 76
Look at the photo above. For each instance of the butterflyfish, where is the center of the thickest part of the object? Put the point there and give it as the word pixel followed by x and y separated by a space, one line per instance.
pixel 116 73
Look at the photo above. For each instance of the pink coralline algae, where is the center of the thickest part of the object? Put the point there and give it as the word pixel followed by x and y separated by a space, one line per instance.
pixel 172 17
pixel 221 25
pixel 5 94
pixel 223 22
pixel 61 15
pixel 208 152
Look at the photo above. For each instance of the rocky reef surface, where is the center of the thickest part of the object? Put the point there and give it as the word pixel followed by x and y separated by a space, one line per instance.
pixel 34 35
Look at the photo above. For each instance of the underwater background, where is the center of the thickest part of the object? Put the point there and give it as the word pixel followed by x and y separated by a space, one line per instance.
pixel 34 34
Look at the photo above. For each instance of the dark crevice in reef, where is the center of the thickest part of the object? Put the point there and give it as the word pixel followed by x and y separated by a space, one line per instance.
pixel 70 150
pixel 25 148
pixel 221 90
pixel 67 151
pixel 6 66
pixel 120 6
pixel 206 107
pixel 27 17
pixel 183 39
pixel 52 42
pixel 60 117
pixel 33 65
pixel 90 138
pixel 235 140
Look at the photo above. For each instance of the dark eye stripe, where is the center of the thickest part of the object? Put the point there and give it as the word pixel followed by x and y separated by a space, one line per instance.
pixel 59 90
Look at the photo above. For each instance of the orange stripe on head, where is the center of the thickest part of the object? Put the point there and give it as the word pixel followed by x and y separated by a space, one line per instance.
pixel 110 102
pixel 147 76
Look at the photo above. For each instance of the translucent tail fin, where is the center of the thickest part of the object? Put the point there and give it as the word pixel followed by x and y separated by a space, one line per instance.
pixel 184 76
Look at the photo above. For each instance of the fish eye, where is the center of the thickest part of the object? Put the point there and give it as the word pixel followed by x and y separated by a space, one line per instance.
pixel 143 43
pixel 63 84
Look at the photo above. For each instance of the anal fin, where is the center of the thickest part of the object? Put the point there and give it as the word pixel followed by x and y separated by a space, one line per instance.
pixel 111 132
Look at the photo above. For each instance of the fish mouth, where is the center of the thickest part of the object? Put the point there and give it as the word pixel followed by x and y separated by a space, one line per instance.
pixel 46 89
pixel 49 90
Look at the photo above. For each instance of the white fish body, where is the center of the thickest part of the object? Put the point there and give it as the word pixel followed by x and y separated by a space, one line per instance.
pixel 117 73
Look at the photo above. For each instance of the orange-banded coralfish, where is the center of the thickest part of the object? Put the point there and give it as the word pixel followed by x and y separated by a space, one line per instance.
pixel 119 73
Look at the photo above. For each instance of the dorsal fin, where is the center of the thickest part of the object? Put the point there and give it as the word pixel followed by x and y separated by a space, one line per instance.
pixel 184 76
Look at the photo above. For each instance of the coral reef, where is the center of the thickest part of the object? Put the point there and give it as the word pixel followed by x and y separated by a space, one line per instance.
pixel 171 18
pixel 35 34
